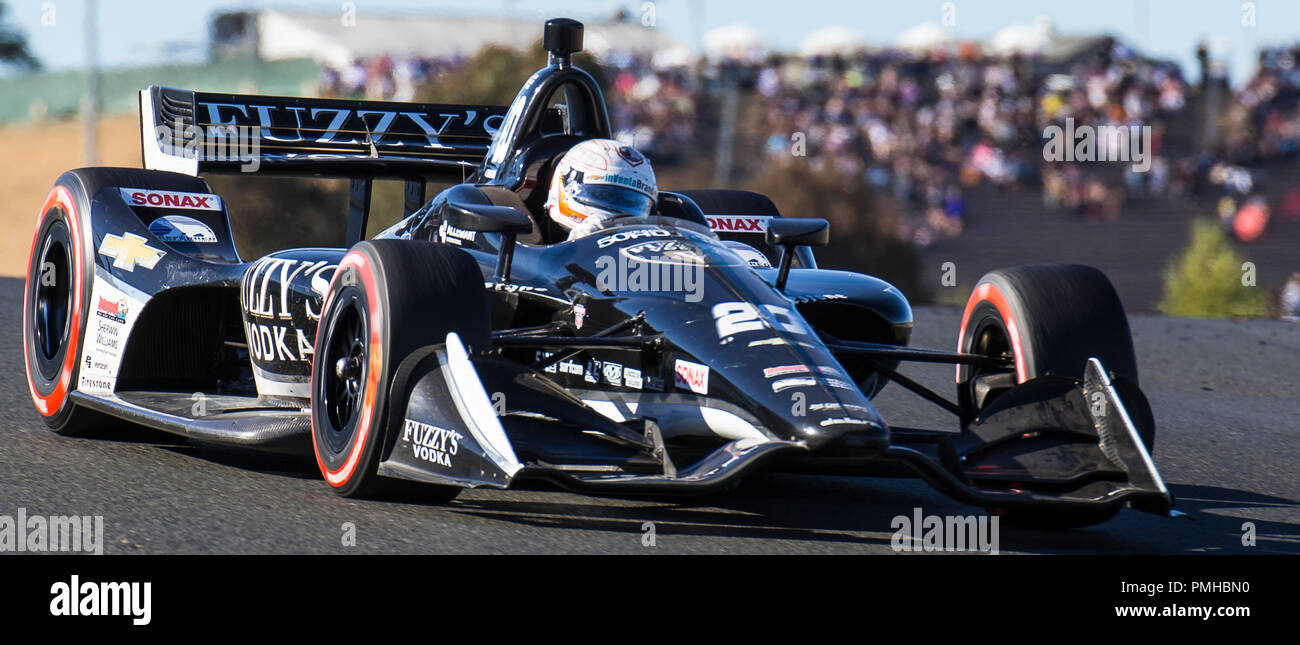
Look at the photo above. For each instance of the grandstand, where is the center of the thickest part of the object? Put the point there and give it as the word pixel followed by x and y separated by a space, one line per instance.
pixel 950 133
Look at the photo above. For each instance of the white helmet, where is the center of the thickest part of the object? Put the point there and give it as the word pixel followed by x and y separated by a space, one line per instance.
pixel 599 179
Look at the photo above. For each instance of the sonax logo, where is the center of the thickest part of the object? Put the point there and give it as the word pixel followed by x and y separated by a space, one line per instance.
pixel 168 199
pixel 692 376
pixel 737 223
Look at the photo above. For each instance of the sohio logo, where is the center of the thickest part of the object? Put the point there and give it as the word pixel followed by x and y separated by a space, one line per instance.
pixel 692 376
pixel 630 235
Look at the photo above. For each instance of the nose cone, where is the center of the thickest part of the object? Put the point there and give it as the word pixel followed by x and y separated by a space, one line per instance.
pixel 845 436
pixel 803 394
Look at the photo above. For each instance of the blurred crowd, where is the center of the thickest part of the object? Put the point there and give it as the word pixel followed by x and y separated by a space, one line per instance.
pixel 654 108
pixel 926 127
pixel 1263 121
pixel 384 77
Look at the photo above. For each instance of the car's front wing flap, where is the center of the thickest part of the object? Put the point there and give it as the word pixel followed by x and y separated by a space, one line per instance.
pixel 1051 444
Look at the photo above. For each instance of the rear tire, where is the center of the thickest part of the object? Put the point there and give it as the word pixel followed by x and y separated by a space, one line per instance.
pixel 1048 319
pixel 387 299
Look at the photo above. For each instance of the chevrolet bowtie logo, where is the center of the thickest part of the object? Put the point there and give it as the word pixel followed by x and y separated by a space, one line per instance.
pixel 129 250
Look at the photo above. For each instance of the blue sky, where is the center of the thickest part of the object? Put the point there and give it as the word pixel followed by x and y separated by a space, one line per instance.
pixel 144 32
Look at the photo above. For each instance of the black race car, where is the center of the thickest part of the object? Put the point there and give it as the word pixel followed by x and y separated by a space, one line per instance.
pixel 471 344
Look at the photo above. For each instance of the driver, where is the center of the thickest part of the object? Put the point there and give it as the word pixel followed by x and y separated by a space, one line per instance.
pixel 598 180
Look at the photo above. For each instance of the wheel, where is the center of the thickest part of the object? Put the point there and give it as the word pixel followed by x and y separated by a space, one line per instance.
pixel 387 298
pixel 1048 319
pixel 56 296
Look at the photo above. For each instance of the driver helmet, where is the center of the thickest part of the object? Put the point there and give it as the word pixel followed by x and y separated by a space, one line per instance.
pixel 597 180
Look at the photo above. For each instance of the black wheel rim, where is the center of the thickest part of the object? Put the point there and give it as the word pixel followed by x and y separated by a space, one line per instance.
pixel 340 391
pixel 52 293
pixel 989 339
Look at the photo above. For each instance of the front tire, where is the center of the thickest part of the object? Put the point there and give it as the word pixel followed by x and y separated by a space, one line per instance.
pixel 56 298
pixel 55 305
pixel 387 298
pixel 1048 319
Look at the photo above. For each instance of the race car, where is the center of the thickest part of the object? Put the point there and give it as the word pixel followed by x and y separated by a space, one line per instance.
pixel 472 344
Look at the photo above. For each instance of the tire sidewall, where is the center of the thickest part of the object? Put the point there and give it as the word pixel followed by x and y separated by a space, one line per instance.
pixel 60 216
pixel 1040 349
pixel 416 292
pixel 357 282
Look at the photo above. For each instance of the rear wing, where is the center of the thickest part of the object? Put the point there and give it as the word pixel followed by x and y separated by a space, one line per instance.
pixel 199 132
pixel 192 132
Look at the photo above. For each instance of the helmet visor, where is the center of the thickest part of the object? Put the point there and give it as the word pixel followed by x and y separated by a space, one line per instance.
pixel 616 200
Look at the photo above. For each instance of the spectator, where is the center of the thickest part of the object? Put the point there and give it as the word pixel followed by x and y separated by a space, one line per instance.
pixel 1291 298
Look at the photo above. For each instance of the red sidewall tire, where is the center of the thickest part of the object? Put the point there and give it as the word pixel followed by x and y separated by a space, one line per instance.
pixel 69 203
pixel 404 295
pixel 354 291
pixel 1053 318
pixel 52 378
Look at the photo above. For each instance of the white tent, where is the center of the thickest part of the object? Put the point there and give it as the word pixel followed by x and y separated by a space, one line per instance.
pixel 736 40
pixel 322 36
pixel 673 57
pixel 927 35
pixel 831 40
pixel 1025 38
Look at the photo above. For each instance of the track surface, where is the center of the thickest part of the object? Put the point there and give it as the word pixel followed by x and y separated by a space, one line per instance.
pixel 1226 396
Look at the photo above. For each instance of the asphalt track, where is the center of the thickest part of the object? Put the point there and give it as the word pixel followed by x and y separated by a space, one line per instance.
pixel 1226 396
